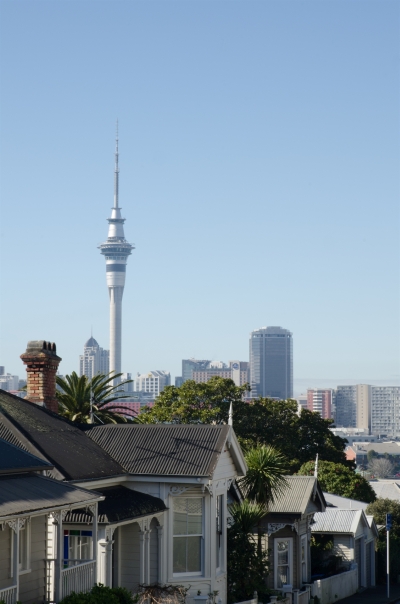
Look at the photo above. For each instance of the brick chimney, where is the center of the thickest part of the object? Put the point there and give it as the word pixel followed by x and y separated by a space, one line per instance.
pixel 41 366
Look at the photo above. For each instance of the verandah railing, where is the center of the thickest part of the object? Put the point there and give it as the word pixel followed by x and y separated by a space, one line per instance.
pixel 77 575
pixel 9 594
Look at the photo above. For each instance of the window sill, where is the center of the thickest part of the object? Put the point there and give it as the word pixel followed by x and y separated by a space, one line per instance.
pixel 188 577
pixel 25 572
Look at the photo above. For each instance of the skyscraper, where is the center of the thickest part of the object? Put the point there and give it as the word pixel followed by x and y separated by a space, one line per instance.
pixel 271 363
pixel 320 401
pixel 116 251
pixel 94 359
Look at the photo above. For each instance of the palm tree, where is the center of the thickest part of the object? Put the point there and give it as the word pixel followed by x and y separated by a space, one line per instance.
pixel 87 401
pixel 265 478
pixel 246 567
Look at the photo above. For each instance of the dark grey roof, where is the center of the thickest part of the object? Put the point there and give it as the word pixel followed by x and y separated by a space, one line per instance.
pixel 13 459
pixel 120 504
pixel 29 493
pixel 61 442
pixel 297 496
pixel 160 449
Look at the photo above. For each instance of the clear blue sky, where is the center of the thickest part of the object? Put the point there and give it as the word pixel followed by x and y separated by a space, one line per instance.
pixel 259 158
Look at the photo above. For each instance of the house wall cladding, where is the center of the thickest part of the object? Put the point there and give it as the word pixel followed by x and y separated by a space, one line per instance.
pixel 129 556
pixel 5 557
pixel 32 584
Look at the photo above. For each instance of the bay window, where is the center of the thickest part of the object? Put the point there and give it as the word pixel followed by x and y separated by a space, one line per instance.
pixel 187 535
pixel 283 562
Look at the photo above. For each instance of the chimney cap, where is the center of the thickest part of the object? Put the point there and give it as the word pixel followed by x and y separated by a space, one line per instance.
pixel 41 346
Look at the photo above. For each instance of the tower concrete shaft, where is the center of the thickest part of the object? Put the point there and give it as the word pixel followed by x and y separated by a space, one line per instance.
pixel 116 251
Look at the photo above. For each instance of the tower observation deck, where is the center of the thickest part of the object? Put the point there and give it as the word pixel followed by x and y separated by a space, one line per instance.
pixel 116 251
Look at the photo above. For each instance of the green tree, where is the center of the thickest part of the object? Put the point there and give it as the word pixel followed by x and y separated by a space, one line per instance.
pixel 246 566
pixel 74 396
pixel 339 479
pixel 379 509
pixel 194 403
pixel 265 478
pixel 371 454
pixel 299 436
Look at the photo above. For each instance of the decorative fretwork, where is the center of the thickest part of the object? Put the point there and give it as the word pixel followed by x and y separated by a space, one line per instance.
pixel 273 527
pixel 177 489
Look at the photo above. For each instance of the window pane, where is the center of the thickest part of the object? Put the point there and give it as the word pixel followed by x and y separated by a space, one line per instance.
pixel 195 524
pixel 179 554
pixel 283 575
pixel 283 552
pixel 85 548
pixel 194 554
pixel 180 517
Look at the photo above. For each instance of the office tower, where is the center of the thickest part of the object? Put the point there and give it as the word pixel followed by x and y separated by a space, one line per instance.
pixel 320 401
pixel 9 382
pixel 190 365
pixel 385 411
pixel 153 382
pixel 238 371
pixel 127 387
pixel 178 381
pixel 271 363
pixel 353 406
pixel 302 401
pixel 94 359
pixel 116 251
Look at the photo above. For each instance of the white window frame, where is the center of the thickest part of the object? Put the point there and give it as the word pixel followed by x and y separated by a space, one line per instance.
pixel 304 540
pixel 290 565
pixel 24 533
pixel 202 551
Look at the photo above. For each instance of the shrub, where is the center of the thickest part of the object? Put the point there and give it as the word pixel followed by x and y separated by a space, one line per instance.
pixel 100 594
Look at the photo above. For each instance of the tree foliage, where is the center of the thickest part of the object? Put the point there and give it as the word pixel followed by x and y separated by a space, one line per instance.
pixel 74 395
pixel 379 509
pixel 265 477
pixel 299 436
pixel 339 479
pixel 247 567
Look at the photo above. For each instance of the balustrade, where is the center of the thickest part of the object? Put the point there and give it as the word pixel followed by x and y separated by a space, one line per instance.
pixel 9 595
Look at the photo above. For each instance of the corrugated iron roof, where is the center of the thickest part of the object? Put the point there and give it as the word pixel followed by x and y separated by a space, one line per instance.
pixel 61 442
pixel 296 496
pixel 335 521
pixel 344 503
pixel 386 489
pixel 13 459
pixel 28 493
pixel 170 450
pixel 120 504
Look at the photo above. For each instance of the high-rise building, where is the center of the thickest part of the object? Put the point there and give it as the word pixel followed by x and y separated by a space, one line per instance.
pixel 153 382
pixel 94 359
pixel 320 401
pixel 116 251
pixel 271 363
pixel 385 411
pixel 238 371
pixel 127 387
pixel 353 406
pixel 9 382
pixel 190 365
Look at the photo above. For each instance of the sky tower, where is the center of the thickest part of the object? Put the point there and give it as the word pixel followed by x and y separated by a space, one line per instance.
pixel 116 251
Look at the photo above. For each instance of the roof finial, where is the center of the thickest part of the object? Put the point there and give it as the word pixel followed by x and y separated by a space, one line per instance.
pixel 116 172
pixel 230 417
pixel 316 467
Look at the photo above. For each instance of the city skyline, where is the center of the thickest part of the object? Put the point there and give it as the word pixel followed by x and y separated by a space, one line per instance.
pixel 260 180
